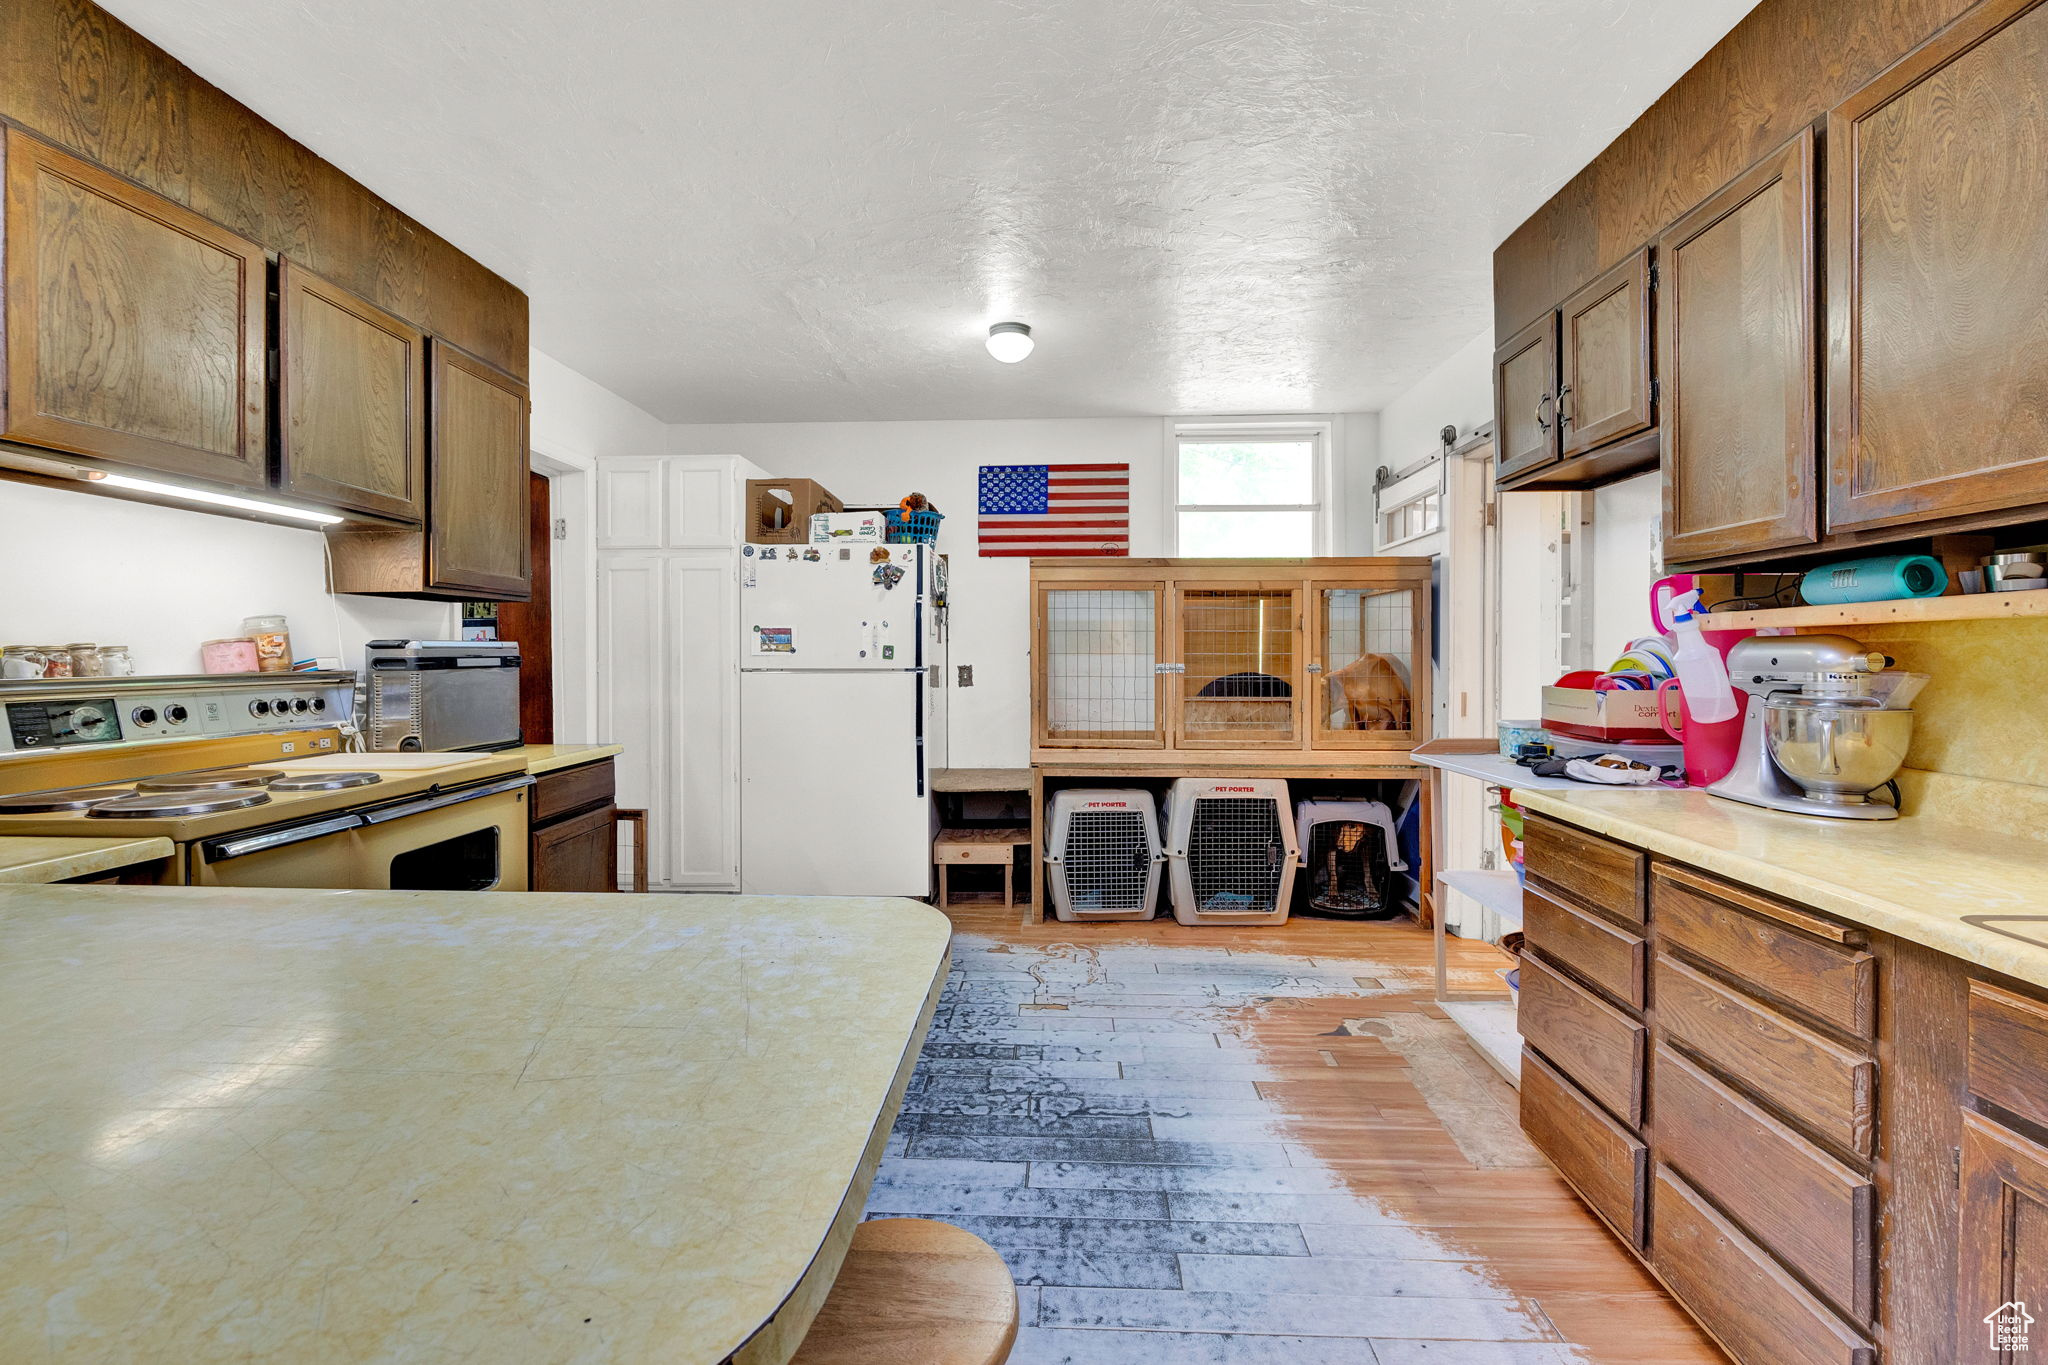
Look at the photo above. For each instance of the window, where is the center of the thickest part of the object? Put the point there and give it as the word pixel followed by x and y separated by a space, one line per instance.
pixel 1421 515
pixel 1249 493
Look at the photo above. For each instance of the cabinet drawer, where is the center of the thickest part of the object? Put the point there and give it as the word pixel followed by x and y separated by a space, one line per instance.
pixel 1829 1087
pixel 571 789
pixel 1588 870
pixel 993 846
pixel 1591 1041
pixel 2009 1051
pixel 1586 945
pixel 1603 1161
pixel 1770 947
pixel 1746 1299
pixel 1812 1211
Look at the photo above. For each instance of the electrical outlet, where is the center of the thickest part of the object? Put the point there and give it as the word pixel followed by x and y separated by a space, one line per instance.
pixel 964 675
pixel 561 528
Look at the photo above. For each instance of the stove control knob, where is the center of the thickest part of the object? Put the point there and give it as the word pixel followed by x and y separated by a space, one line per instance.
pixel 176 715
pixel 143 715
pixel 319 705
pixel 300 706
pixel 259 707
pixel 281 707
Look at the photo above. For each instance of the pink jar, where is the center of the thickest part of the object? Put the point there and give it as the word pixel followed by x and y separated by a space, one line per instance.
pixel 229 656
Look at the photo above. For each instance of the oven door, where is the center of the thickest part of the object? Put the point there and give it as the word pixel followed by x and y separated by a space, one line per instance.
pixel 469 839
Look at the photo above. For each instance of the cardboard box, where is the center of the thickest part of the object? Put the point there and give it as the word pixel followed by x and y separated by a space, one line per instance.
pixel 1610 717
pixel 849 528
pixel 779 511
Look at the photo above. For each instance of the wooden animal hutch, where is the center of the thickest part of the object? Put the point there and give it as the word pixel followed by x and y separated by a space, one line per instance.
pixel 1145 670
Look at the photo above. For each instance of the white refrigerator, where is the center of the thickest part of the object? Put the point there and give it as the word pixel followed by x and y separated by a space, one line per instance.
pixel 842 717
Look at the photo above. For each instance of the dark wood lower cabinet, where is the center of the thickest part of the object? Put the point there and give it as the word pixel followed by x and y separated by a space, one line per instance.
pixel 575 836
pixel 1836 1149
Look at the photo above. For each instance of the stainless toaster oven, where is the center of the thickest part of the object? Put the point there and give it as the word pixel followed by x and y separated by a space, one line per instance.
pixel 441 694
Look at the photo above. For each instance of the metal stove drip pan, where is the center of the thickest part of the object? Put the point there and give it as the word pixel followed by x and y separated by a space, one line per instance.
pixel 220 779
pixel 172 805
pixel 46 803
pixel 322 781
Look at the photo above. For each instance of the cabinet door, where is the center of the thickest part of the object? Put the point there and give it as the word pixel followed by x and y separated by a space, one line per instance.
pixel 476 537
pixel 1604 359
pixel 1238 648
pixel 1368 669
pixel 352 381
pixel 1098 651
pixel 1740 374
pixel 135 328
pixel 1937 265
pixel 2002 1245
pixel 580 853
pixel 1525 399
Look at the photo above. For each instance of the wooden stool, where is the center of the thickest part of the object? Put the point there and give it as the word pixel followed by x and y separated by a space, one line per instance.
pixel 915 1292
pixel 638 820
pixel 985 847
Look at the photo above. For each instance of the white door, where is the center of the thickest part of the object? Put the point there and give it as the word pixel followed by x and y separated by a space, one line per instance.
pixel 831 801
pixel 828 612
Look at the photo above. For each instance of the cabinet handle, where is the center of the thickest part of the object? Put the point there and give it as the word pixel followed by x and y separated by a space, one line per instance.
pixel 1564 419
pixel 1542 423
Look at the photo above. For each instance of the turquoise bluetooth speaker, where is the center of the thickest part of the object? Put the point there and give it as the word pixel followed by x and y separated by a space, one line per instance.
pixel 1885 578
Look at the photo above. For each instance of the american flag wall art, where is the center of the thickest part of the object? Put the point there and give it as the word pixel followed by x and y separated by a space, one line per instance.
pixel 1055 509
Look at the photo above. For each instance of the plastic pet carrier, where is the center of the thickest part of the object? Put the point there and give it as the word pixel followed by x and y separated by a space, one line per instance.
pixel 1103 854
pixel 1349 852
pixel 1230 850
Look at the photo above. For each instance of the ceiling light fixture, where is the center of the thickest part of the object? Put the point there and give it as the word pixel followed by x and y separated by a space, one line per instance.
pixel 171 490
pixel 1009 342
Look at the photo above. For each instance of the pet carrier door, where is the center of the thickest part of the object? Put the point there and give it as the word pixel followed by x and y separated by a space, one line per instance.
pixel 1349 851
pixel 1103 854
pixel 1099 684
pixel 1230 850
pixel 1240 679
pixel 1366 686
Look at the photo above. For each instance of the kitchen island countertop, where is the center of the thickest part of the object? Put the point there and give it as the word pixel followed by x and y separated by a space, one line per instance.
pixel 30 859
pixel 546 758
pixel 1970 892
pixel 351 1125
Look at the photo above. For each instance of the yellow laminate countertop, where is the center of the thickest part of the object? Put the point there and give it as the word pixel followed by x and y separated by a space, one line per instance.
pixel 27 859
pixel 1946 885
pixel 545 758
pixel 367 1125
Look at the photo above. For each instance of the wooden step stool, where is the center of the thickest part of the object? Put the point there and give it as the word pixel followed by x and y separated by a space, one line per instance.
pixel 915 1292
pixel 979 847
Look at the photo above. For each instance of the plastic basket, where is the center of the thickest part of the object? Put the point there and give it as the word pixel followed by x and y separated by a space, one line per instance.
pixel 914 528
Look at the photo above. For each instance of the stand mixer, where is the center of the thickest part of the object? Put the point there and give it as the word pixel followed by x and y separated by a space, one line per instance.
pixel 1823 725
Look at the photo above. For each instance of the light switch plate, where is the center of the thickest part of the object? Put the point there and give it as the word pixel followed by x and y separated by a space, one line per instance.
pixel 964 675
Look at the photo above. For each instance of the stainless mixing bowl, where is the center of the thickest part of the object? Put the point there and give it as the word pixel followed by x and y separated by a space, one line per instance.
pixel 1836 749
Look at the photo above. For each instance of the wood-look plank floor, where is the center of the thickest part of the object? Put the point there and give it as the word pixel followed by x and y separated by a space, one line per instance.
pixel 1242 1147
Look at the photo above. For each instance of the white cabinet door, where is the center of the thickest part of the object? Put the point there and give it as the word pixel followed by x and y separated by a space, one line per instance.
pixel 629 503
pixel 703 744
pixel 632 687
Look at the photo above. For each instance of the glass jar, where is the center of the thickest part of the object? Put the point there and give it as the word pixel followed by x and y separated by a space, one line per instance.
pixel 273 642
pixel 56 661
pixel 22 661
pixel 85 659
pixel 115 661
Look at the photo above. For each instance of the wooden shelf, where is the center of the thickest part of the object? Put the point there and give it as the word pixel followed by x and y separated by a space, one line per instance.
pixel 1979 606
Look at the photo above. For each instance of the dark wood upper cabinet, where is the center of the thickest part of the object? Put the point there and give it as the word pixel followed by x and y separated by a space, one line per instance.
pixel 476 539
pixel 1738 364
pixel 1938 268
pixel 1525 399
pixel 135 328
pixel 1604 392
pixel 352 388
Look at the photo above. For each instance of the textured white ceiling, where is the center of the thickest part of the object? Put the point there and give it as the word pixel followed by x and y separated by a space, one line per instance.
pixel 812 209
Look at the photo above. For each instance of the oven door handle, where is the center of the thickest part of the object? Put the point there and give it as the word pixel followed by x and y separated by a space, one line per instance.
pixel 220 850
pixel 454 798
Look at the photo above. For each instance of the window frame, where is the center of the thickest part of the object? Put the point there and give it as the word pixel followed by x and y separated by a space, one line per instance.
pixel 1318 432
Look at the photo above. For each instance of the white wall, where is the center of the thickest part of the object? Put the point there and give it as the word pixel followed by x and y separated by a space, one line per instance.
pixel 878 462
pixel 1457 393
pixel 77 566
pixel 574 421
pixel 1628 554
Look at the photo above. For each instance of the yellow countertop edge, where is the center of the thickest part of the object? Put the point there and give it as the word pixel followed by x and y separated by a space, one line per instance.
pixel 83 857
pixel 1930 928
pixel 547 758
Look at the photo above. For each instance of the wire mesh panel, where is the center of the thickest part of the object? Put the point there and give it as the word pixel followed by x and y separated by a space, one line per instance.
pixel 1232 850
pixel 1105 850
pixel 1238 645
pixel 1101 647
pixel 1368 662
